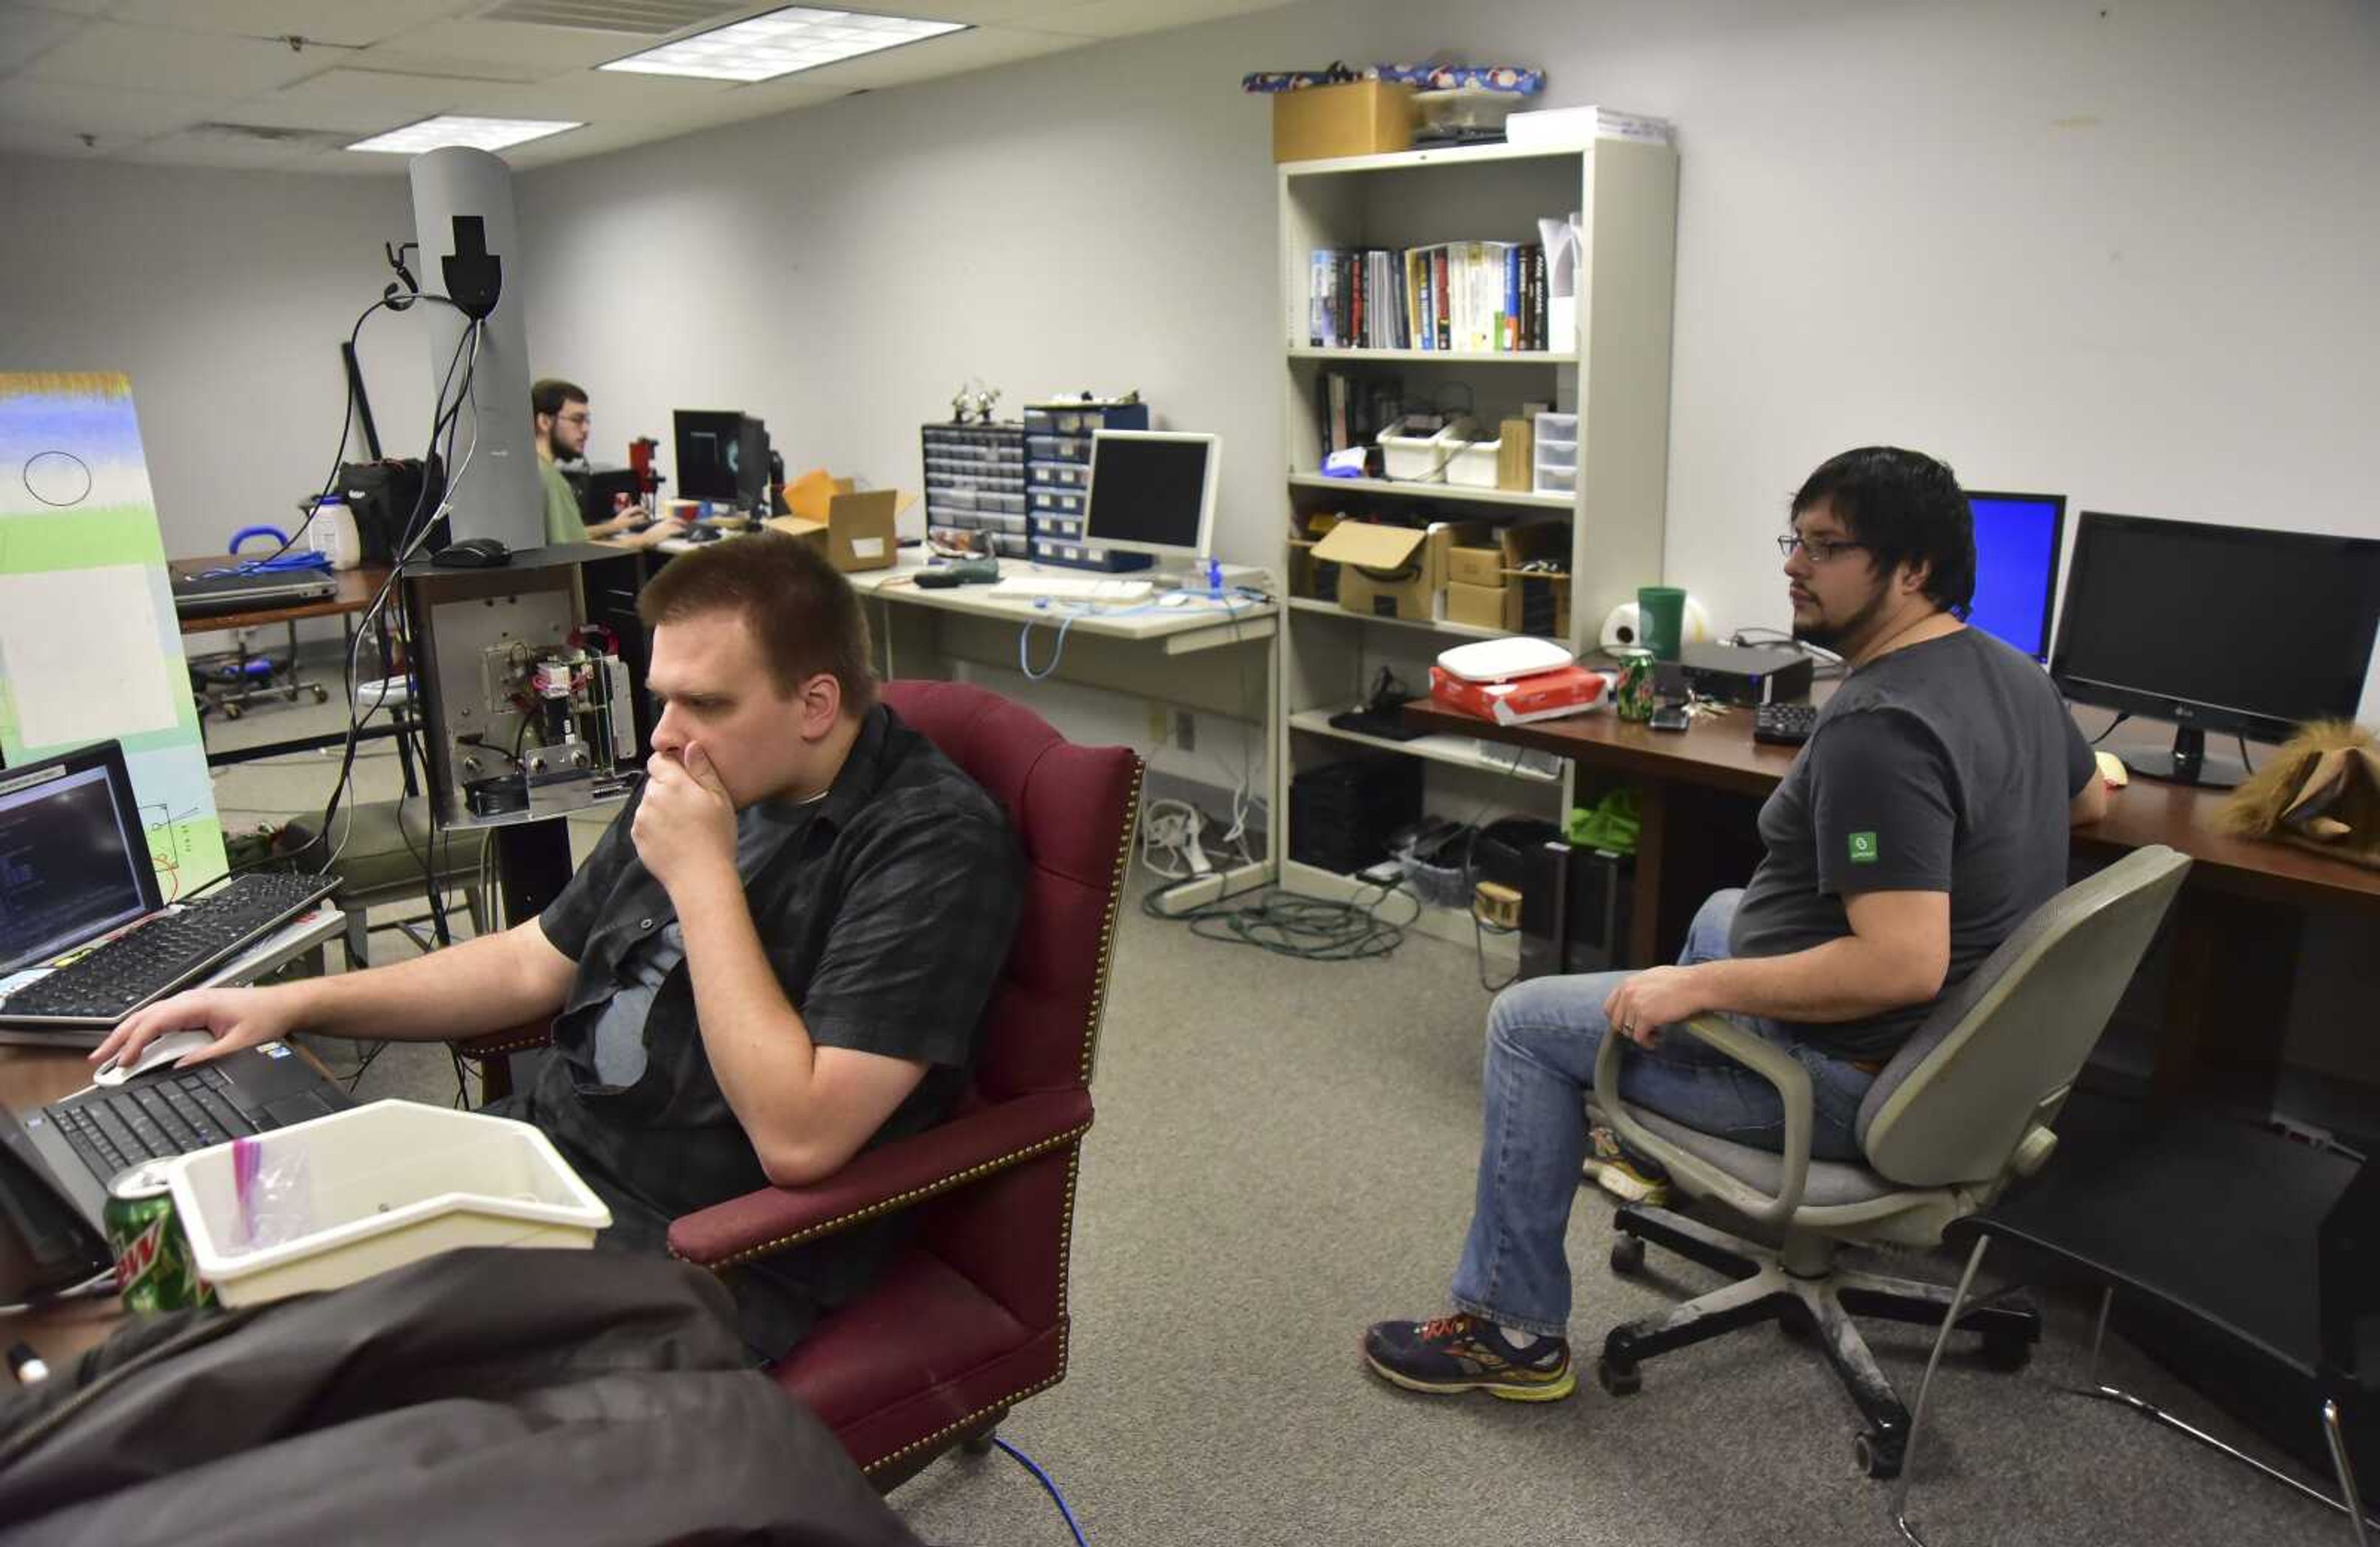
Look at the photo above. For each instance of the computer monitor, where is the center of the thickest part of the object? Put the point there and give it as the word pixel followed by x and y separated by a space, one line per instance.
pixel 2017 543
pixel 73 860
pixel 709 453
pixel 1152 491
pixel 2227 629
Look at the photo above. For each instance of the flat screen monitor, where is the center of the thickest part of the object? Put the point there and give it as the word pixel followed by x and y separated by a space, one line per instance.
pixel 2229 629
pixel 2017 543
pixel 709 453
pixel 73 858
pixel 1152 491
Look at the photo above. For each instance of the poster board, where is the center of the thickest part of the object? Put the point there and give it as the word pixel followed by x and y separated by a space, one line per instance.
pixel 90 648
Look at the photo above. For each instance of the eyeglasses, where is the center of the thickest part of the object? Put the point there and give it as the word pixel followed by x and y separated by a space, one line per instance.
pixel 1818 548
pixel 575 419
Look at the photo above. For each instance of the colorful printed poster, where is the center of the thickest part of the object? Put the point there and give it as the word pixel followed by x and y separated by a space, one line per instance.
pixel 90 649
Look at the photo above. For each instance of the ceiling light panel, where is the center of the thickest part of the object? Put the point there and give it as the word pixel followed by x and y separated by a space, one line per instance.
pixel 780 42
pixel 481 134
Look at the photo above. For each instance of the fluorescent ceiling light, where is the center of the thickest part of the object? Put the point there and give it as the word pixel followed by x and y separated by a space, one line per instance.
pixel 481 134
pixel 780 42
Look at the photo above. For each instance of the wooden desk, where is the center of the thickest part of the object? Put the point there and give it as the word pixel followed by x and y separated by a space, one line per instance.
pixel 2239 925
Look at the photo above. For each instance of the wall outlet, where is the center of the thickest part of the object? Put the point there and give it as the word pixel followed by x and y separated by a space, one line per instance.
pixel 1185 731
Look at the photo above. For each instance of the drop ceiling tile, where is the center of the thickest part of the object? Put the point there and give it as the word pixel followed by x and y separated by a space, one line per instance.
pixel 509 47
pixel 117 117
pixel 189 149
pixel 374 98
pixel 349 23
pixel 165 59
pixel 953 53
pixel 1122 19
pixel 25 32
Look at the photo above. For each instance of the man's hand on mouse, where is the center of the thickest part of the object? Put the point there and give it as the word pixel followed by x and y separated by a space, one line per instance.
pixel 236 1017
pixel 684 827
pixel 659 532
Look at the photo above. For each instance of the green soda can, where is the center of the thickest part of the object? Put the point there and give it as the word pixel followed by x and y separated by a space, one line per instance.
pixel 153 1269
pixel 1633 698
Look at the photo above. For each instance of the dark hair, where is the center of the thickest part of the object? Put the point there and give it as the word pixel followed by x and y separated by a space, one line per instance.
pixel 548 396
pixel 802 611
pixel 1902 506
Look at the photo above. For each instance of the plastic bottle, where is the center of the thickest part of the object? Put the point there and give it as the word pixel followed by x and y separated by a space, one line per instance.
pixel 333 533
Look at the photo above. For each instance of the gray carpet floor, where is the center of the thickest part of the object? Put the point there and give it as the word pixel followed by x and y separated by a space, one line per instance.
pixel 1284 1154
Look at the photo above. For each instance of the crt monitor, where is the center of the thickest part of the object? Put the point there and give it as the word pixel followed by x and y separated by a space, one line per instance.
pixel 2230 629
pixel 2017 543
pixel 1152 491
pixel 709 453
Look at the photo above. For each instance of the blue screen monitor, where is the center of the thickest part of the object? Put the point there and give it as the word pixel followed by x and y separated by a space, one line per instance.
pixel 2017 543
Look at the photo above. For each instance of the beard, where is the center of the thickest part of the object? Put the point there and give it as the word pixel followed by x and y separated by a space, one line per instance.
pixel 1830 633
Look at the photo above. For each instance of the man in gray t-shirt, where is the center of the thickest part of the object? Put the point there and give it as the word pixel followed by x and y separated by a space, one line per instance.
pixel 1924 819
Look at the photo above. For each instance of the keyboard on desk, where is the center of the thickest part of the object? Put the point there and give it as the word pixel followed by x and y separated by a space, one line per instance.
pixel 1784 725
pixel 149 1119
pixel 167 951
pixel 1071 588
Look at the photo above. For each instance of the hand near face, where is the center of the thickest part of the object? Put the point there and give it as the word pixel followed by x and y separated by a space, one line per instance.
pixel 685 826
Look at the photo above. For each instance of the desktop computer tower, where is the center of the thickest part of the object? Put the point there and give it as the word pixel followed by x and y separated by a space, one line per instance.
pixel 1574 910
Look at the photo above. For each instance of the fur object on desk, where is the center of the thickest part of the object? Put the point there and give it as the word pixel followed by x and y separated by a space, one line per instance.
pixel 2320 792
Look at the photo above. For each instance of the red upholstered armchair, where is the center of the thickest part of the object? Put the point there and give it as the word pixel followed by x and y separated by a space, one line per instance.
pixel 972 1317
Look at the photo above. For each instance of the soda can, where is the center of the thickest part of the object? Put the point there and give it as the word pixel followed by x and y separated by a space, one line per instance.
pixel 1634 697
pixel 619 502
pixel 153 1268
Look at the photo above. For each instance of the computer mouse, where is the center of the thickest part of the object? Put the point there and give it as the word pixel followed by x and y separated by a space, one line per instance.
pixel 1174 599
pixel 472 553
pixel 167 1049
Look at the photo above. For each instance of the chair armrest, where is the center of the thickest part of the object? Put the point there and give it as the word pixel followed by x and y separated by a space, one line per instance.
pixel 1762 1057
pixel 883 1180
pixel 524 1038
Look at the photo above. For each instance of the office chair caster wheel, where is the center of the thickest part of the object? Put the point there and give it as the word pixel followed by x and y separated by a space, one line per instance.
pixel 231 712
pixel 321 694
pixel 979 1444
pixel 1627 1255
pixel 1876 1456
pixel 1618 1378
pixel 2007 1352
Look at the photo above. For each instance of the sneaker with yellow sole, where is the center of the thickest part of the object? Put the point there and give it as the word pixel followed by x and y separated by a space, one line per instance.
pixel 1623 1174
pixel 1462 1353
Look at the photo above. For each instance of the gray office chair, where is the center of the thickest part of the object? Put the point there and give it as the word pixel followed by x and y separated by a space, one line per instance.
pixel 381 860
pixel 1963 1108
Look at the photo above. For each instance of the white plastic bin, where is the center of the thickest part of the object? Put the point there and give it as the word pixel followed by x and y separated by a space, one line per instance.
pixel 1557 427
pixel 1557 481
pixel 1428 459
pixel 388 1184
pixel 1558 453
pixel 1474 465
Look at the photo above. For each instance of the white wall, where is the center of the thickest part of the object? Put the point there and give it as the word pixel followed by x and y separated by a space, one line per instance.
pixel 225 295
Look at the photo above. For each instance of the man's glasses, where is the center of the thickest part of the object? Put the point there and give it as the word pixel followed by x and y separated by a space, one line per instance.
pixel 1818 548
pixel 575 419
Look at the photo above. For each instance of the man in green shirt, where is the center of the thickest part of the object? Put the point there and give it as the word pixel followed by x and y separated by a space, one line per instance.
pixel 561 422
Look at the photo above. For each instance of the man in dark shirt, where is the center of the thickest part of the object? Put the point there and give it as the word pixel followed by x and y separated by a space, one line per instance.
pixel 1924 820
pixel 777 956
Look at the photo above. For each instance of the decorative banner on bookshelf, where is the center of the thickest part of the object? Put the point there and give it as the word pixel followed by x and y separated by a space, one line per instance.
pixel 89 649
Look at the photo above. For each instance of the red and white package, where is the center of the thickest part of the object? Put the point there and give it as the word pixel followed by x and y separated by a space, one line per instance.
pixel 1541 696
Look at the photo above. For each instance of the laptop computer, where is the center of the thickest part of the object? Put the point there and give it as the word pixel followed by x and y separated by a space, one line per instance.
pixel 57 1160
pixel 235 590
pixel 75 875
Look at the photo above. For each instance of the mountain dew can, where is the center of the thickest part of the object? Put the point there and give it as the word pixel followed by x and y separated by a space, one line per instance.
pixel 1634 697
pixel 153 1268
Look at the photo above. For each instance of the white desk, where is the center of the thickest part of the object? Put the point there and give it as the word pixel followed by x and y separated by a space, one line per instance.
pixel 1181 655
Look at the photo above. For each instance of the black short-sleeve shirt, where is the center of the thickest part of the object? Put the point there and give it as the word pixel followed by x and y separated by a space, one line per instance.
pixel 1946 766
pixel 886 911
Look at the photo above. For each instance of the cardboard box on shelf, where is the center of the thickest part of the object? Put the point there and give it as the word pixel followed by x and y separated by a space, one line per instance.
pixel 1477 606
pixel 1388 571
pixel 1472 566
pixel 1359 118
pixel 1313 579
pixel 1516 442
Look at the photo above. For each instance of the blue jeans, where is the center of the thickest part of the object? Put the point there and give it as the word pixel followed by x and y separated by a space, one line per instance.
pixel 1542 1039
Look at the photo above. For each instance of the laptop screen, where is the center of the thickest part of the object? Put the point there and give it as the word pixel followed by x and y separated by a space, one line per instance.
pixel 72 861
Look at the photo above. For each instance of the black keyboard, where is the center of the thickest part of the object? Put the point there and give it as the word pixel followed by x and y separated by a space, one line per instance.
pixel 149 1119
pixel 169 950
pixel 1784 725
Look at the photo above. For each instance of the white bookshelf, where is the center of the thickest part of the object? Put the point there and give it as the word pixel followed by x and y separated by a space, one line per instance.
pixel 1614 373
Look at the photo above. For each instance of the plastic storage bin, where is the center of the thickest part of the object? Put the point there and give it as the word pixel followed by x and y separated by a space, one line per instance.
pixel 1062 475
pixel 388 1184
pixel 1059 448
pixel 1426 458
pixel 1557 481
pixel 1473 466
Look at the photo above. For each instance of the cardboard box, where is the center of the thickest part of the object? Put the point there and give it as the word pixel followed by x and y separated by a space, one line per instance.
pixel 1387 571
pixel 1479 606
pixel 1544 696
pixel 1481 568
pixel 1516 442
pixel 860 532
pixel 1360 118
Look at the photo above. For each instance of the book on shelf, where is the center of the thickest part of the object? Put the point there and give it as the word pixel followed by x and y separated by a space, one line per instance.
pixel 1472 296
